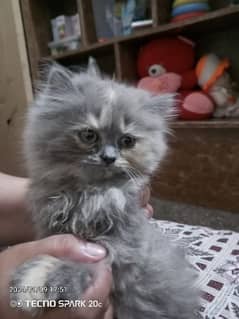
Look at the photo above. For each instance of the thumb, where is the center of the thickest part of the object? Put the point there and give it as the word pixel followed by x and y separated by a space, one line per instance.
pixel 65 245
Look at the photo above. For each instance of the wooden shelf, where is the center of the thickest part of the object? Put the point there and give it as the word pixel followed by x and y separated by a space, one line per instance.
pixel 38 34
pixel 212 123
pixel 90 48
pixel 122 51
pixel 213 20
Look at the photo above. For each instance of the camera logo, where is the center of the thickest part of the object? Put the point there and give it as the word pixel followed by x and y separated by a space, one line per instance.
pixel 16 304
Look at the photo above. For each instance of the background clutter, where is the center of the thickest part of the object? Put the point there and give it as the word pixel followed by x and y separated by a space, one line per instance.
pixel 66 34
pixel 205 88
pixel 186 9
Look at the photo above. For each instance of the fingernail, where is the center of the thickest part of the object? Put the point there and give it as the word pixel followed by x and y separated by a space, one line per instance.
pixel 149 210
pixel 94 250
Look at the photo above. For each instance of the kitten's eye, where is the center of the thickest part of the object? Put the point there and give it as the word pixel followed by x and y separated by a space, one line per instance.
pixel 88 136
pixel 127 141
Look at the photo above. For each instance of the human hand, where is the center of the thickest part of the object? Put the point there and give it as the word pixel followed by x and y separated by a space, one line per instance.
pixel 61 246
pixel 145 196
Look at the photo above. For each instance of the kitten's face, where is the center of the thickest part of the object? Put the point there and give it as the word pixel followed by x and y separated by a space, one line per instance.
pixel 88 127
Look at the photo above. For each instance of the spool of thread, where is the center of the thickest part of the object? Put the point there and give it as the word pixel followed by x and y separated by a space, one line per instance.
pixel 182 2
pixel 186 16
pixel 189 8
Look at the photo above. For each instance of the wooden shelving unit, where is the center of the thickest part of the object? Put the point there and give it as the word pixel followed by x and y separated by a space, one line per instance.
pixel 216 31
pixel 214 20
pixel 117 56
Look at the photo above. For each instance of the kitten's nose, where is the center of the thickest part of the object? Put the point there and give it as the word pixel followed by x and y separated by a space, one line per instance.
pixel 108 155
pixel 108 160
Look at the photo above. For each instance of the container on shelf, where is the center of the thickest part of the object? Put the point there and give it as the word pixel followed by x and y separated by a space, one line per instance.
pixel 61 27
pixel 67 44
pixel 66 34
pixel 65 26
pixel 141 24
pixel 115 17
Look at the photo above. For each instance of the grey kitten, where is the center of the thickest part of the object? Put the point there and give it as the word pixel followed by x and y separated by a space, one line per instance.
pixel 91 145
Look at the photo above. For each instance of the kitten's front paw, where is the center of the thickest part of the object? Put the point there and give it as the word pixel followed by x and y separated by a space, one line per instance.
pixel 41 282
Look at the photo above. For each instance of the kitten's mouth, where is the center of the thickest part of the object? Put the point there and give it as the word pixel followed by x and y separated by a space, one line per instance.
pixel 111 167
pixel 93 163
pixel 107 170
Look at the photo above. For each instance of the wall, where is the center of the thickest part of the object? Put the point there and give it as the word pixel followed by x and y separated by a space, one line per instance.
pixel 202 168
pixel 15 86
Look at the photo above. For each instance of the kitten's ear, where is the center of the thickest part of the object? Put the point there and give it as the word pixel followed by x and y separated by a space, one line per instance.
pixel 93 68
pixel 56 85
pixel 59 79
pixel 163 105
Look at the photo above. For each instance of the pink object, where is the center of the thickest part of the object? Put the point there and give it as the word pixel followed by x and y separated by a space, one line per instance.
pixel 165 83
pixel 196 106
pixel 198 102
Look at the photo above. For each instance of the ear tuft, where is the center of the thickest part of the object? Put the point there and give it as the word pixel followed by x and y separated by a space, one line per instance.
pixel 59 77
pixel 93 68
pixel 56 84
pixel 56 80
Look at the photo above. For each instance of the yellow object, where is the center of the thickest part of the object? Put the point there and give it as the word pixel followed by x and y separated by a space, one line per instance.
pixel 182 2
pixel 209 68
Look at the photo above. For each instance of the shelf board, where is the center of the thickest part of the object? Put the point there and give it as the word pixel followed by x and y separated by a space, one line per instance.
pixel 212 123
pixel 84 50
pixel 210 21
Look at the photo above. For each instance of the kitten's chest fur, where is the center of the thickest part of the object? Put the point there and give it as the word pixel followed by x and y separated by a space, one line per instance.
pixel 151 277
pixel 94 212
pixel 109 215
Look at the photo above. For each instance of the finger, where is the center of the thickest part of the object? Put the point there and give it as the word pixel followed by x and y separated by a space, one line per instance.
pixel 145 196
pixel 109 313
pixel 100 290
pixel 96 296
pixel 149 211
pixel 58 246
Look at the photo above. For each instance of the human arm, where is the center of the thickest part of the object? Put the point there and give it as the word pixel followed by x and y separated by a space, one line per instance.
pixel 15 223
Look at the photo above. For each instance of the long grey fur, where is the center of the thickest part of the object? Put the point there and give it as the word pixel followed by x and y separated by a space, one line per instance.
pixel 73 191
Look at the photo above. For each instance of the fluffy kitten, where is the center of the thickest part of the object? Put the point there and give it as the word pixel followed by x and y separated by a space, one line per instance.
pixel 91 145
